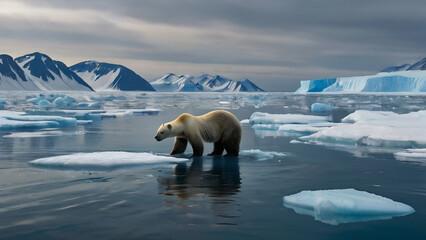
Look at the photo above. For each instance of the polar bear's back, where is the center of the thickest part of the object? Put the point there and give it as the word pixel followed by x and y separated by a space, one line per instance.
pixel 218 125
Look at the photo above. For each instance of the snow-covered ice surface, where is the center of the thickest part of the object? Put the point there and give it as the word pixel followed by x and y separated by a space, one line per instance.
pixel 46 133
pixel 345 206
pixel 412 155
pixel 377 129
pixel 207 196
pixel 262 155
pixel 105 161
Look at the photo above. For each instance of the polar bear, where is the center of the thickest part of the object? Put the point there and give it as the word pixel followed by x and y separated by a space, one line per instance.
pixel 220 127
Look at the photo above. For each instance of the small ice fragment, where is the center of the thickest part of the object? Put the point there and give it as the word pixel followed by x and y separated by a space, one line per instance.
pixel 321 108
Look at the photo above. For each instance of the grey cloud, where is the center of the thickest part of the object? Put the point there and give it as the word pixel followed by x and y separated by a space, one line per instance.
pixel 330 37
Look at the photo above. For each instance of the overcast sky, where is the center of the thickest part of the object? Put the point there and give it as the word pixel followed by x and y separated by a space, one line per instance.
pixel 274 43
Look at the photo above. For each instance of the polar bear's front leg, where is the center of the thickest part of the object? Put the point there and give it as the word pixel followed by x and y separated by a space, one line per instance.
pixel 197 145
pixel 180 145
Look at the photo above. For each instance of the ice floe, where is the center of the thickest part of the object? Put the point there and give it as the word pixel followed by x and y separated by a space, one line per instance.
pixel 277 125
pixel 412 155
pixel 376 129
pixel 105 161
pixel 345 206
pixel 10 120
pixel 49 133
pixel 261 155
pixel 2 103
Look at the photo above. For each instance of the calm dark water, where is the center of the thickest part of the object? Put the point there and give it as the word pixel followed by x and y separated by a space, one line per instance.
pixel 206 198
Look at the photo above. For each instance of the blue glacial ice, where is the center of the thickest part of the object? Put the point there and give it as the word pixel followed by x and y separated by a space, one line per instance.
pixel 402 81
pixel 105 161
pixel 345 206
pixel 321 109
pixel 262 155
pixel 2 103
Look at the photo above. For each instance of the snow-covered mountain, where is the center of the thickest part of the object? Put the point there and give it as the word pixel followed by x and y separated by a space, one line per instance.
pixel 420 65
pixel 204 83
pixel 106 76
pixel 404 78
pixel 47 74
pixel 12 77
pixel 176 83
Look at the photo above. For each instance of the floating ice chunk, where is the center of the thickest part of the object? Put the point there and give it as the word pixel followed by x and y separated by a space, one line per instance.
pixel 378 129
pixel 321 108
pixel 305 128
pixel 18 120
pixel 278 125
pixel 42 134
pixel 267 118
pixel 245 122
pixel 345 206
pixel 105 161
pixel 2 103
pixel 412 155
pixel 262 155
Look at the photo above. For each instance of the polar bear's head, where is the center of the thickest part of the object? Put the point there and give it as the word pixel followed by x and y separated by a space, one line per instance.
pixel 164 131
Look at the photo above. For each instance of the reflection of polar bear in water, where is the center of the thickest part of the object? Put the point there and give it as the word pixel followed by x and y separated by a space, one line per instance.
pixel 220 127
pixel 223 179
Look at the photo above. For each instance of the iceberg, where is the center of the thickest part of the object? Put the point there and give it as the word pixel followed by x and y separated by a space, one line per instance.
pixel 400 81
pixel 321 109
pixel 2 103
pixel 345 206
pixel 262 155
pixel 105 161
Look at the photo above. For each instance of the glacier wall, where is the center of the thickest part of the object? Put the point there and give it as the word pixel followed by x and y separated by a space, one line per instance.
pixel 404 81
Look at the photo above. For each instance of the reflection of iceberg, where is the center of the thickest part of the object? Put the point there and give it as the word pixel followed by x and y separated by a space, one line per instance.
pixel 104 161
pixel 345 206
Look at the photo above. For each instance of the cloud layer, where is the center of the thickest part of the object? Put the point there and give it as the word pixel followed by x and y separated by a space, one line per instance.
pixel 273 42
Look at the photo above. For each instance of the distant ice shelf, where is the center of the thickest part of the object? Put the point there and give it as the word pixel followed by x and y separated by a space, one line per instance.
pixel 105 161
pixel 401 81
pixel 345 206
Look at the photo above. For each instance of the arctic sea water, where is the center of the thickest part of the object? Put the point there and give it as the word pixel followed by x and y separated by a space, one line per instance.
pixel 210 197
